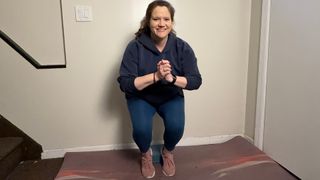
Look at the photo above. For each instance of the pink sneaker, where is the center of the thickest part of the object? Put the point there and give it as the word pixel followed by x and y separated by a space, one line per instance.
pixel 147 168
pixel 168 166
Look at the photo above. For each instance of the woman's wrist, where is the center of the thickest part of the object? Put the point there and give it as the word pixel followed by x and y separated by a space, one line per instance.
pixel 170 78
pixel 156 77
pixel 174 78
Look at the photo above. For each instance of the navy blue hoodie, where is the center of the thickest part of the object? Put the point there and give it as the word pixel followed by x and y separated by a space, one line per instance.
pixel 141 57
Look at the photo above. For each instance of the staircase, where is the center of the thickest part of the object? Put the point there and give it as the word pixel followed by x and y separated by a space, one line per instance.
pixel 10 154
pixel 20 156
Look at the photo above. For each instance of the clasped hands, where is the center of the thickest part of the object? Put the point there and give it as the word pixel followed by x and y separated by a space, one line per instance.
pixel 164 70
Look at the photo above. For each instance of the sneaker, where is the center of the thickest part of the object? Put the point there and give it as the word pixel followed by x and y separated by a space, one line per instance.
pixel 168 166
pixel 147 168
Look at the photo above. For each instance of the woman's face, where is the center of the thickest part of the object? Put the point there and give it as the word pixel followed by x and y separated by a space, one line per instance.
pixel 160 23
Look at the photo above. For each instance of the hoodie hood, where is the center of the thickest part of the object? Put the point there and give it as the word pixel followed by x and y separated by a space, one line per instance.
pixel 148 43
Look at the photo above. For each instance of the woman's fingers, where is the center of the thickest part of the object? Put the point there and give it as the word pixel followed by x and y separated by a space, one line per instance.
pixel 164 68
pixel 163 62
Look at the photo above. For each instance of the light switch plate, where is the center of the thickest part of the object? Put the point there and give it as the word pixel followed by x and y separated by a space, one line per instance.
pixel 83 13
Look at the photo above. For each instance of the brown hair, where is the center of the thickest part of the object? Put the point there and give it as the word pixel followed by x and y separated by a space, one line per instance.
pixel 144 25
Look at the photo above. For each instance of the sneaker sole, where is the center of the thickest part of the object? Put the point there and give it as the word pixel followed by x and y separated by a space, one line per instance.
pixel 169 175
pixel 149 177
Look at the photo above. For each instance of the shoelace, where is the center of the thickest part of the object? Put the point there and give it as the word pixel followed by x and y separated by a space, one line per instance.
pixel 146 161
pixel 168 159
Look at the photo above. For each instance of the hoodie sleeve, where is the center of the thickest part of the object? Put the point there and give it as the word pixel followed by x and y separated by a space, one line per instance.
pixel 129 69
pixel 190 68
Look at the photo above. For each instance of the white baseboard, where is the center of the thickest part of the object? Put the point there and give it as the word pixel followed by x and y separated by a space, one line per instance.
pixel 188 141
pixel 248 139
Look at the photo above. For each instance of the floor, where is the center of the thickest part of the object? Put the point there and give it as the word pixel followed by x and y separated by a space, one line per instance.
pixel 37 170
pixel 236 159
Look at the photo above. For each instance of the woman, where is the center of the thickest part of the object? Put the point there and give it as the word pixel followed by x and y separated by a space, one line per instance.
pixel 155 68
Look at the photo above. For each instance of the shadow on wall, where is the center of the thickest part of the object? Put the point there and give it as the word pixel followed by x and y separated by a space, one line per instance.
pixel 114 105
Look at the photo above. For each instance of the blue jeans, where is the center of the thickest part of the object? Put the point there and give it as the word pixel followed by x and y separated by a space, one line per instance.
pixel 141 113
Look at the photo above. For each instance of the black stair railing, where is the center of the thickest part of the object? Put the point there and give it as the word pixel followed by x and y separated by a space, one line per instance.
pixel 27 56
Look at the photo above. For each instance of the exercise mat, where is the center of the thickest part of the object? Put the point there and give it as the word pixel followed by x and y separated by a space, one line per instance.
pixel 236 159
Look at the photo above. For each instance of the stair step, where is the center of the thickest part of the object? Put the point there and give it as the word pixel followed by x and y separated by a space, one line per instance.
pixel 10 154
pixel 8 144
pixel 45 169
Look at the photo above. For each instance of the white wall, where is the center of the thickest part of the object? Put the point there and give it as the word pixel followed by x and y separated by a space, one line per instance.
pixel 82 106
pixel 293 99
pixel 36 26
